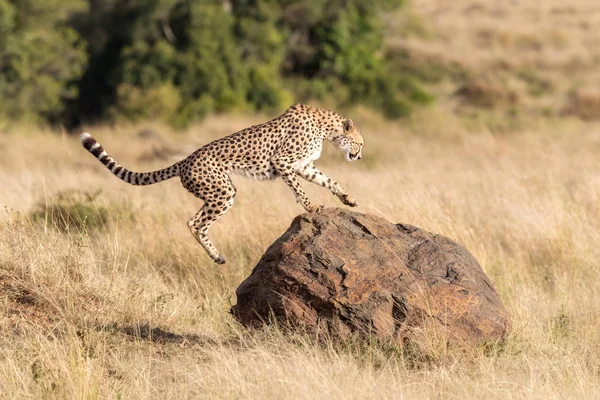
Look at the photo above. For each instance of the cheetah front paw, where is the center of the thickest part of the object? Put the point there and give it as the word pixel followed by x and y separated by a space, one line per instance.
pixel 220 259
pixel 313 209
pixel 349 201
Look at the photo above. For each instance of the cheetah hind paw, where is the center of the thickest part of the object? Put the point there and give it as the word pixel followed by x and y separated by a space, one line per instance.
pixel 220 259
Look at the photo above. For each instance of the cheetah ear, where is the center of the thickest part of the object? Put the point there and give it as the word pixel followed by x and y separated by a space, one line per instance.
pixel 348 124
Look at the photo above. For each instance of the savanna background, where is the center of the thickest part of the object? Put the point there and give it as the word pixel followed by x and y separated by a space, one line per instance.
pixel 481 121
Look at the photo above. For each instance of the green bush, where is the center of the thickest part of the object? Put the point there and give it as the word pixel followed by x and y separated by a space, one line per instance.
pixel 40 57
pixel 178 60
pixel 71 210
pixel 161 102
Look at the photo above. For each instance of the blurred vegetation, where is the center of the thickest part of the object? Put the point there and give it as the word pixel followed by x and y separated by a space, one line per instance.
pixel 41 57
pixel 178 60
pixel 74 210
pixel 71 210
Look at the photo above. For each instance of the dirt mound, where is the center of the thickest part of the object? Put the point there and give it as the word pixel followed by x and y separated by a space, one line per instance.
pixel 21 303
pixel 353 273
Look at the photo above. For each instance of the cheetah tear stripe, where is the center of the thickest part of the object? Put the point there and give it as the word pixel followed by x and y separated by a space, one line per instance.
pixel 134 178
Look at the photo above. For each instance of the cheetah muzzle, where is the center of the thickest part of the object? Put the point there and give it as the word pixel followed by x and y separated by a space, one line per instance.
pixel 285 146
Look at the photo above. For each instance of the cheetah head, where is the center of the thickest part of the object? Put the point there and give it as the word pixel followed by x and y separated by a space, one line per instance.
pixel 350 141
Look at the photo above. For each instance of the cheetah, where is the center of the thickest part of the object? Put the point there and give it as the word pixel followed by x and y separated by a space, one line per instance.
pixel 285 147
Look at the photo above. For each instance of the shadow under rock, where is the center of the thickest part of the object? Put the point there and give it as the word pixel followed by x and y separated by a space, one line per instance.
pixel 156 334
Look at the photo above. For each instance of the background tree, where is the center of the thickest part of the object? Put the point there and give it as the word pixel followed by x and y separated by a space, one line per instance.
pixel 40 58
pixel 177 60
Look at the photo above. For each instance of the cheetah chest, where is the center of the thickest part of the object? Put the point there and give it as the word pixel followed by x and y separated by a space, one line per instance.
pixel 303 162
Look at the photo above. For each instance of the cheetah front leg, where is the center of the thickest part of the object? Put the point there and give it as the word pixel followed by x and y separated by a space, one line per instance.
pixel 312 174
pixel 289 177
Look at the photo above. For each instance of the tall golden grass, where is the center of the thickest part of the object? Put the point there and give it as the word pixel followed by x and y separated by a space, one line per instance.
pixel 130 306
pixel 105 294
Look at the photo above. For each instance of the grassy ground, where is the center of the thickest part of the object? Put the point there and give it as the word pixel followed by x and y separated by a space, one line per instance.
pixel 125 302
pixel 105 294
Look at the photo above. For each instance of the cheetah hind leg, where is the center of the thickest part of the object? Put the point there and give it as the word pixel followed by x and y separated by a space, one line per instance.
pixel 200 223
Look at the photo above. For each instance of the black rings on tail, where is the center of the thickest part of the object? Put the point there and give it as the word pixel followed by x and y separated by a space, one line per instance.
pixel 134 178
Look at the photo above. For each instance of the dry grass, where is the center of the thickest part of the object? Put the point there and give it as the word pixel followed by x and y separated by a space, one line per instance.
pixel 541 55
pixel 105 294
pixel 133 308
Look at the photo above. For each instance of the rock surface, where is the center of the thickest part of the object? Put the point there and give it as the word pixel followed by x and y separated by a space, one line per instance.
pixel 353 273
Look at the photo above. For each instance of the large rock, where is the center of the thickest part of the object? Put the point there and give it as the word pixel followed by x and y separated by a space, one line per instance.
pixel 348 272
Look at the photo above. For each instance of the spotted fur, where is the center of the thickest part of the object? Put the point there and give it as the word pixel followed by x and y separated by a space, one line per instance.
pixel 284 147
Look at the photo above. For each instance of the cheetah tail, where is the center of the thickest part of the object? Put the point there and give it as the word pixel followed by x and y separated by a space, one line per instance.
pixel 134 178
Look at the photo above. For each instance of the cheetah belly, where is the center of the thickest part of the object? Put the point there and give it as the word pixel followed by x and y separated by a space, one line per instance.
pixel 259 175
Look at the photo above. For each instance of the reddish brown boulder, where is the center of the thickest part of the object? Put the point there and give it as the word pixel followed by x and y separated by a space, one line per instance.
pixel 349 272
